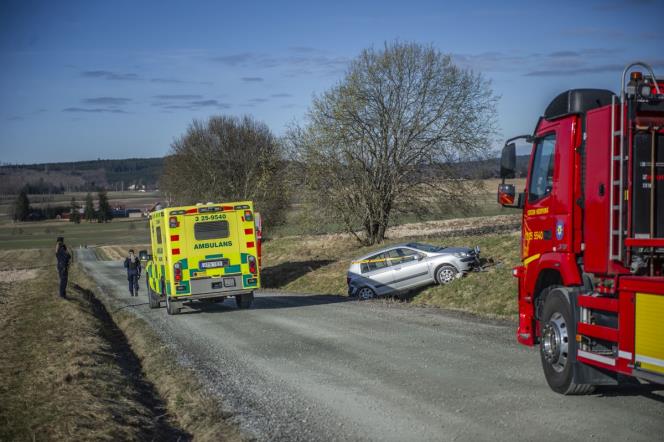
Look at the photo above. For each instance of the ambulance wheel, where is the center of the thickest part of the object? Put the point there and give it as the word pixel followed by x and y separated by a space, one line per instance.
pixel 558 344
pixel 244 301
pixel 153 299
pixel 172 307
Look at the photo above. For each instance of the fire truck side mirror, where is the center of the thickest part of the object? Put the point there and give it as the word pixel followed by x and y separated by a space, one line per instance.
pixel 508 161
pixel 507 196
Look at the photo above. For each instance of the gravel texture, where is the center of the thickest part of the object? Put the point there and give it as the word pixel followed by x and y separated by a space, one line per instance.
pixel 298 367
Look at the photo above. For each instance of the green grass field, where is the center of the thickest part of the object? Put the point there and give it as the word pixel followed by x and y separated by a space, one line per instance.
pixel 31 235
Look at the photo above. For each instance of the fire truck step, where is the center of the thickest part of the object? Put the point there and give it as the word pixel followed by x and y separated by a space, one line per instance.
pixel 589 355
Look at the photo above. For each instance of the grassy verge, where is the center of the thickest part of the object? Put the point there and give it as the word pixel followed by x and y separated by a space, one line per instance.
pixel 197 412
pixel 67 374
pixel 318 264
pixel 71 373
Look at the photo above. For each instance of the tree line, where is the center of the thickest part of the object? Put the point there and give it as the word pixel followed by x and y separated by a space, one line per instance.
pixel 386 139
pixel 23 211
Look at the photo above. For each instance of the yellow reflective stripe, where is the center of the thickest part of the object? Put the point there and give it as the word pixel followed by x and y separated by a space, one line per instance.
pixel 366 261
pixel 531 259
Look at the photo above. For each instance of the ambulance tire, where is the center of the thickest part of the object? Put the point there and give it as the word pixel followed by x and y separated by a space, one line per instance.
pixel 558 344
pixel 153 299
pixel 244 301
pixel 172 308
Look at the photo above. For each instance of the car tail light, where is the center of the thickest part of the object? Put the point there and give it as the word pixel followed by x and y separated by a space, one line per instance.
pixel 177 271
pixel 347 280
pixel 247 215
pixel 252 265
pixel 173 222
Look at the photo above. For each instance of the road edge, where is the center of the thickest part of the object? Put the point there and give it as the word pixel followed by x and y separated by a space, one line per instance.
pixel 197 411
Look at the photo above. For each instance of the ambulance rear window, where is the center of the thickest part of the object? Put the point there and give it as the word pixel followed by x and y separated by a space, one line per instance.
pixel 211 230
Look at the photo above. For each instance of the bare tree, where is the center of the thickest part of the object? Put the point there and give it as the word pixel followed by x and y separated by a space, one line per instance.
pixel 386 137
pixel 228 158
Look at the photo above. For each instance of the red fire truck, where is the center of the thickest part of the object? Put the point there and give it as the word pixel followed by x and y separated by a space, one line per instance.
pixel 591 283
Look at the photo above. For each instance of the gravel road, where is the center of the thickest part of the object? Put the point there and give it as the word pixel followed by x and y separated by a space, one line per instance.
pixel 300 367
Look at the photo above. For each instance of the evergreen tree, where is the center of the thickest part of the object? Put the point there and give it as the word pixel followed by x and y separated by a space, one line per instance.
pixel 105 213
pixel 22 206
pixel 89 211
pixel 75 216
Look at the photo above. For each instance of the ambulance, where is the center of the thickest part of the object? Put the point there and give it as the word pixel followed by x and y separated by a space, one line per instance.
pixel 205 252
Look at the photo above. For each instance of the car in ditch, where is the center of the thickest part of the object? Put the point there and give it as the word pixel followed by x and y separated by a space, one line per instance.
pixel 404 267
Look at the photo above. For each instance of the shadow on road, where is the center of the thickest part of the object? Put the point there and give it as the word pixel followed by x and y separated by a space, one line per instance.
pixel 277 276
pixel 266 303
pixel 633 388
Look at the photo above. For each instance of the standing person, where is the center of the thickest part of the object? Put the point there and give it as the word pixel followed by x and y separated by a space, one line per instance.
pixel 64 259
pixel 133 266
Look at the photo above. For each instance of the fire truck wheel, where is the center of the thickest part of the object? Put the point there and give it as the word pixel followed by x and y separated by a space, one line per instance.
pixel 244 301
pixel 558 344
pixel 173 308
pixel 446 274
pixel 153 299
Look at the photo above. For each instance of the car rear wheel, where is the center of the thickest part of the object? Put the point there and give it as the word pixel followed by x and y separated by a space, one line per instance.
pixel 244 301
pixel 365 293
pixel 446 274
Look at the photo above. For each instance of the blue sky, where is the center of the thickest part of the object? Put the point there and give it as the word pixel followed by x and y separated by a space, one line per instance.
pixel 91 79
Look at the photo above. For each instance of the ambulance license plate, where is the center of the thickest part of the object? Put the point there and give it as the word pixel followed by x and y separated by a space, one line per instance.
pixel 213 264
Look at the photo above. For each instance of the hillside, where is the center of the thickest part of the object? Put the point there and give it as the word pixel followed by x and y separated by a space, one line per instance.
pixel 81 176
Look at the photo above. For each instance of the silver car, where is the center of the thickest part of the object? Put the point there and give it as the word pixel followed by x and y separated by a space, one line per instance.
pixel 407 266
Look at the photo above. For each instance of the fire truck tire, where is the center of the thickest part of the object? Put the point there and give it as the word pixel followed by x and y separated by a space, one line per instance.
pixel 558 344
pixel 244 301
pixel 153 299
pixel 172 308
pixel 446 273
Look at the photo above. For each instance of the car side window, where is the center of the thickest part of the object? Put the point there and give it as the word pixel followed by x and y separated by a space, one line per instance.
pixel 375 262
pixel 408 255
pixel 541 175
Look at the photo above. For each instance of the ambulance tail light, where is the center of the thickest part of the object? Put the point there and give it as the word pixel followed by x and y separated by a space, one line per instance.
pixel 173 222
pixel 177 271
pixel 248 215
pixel 252 265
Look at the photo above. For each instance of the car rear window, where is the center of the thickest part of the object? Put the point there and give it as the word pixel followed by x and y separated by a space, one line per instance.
pixel 211 230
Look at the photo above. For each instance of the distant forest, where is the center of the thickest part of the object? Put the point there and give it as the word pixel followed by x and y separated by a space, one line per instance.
pixel 89 176
pixel 81 176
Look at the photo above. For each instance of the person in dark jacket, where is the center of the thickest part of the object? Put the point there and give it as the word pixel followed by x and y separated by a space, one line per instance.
pixel 64 259
pixel 133 266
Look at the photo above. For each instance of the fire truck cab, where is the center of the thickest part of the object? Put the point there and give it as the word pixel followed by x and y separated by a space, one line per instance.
pixel 591 283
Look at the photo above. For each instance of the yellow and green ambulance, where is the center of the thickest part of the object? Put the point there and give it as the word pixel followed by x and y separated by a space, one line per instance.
pixel 203 252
